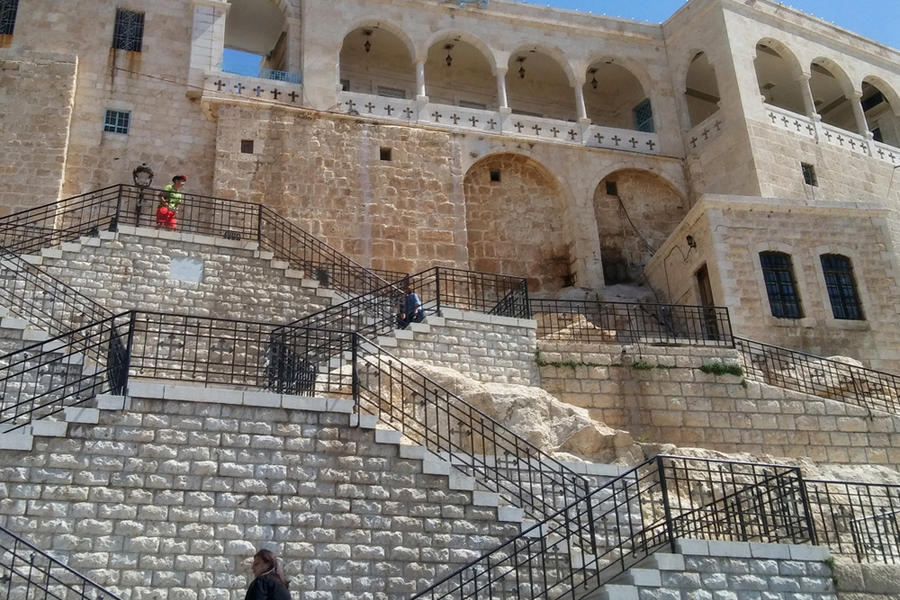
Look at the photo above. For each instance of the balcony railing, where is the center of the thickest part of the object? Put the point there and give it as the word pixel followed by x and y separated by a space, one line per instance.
pixel 492 121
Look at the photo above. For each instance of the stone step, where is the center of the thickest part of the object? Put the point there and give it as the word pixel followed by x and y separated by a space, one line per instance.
pixel 16 440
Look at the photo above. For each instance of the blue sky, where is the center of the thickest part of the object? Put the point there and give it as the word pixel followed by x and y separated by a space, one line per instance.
pixel 875 19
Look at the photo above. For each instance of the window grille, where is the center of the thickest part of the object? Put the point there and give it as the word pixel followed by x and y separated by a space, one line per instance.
pixel 8 16
pixel 809 174
pixel 116 121
pixel 781 287
pixel 643 116
pixel 129 30
pixel 841 286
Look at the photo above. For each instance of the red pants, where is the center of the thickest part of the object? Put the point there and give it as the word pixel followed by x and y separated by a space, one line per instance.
pixel 165 216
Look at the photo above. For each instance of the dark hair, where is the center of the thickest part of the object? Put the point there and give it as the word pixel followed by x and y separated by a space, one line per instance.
pixel 178 178
pixel 273 566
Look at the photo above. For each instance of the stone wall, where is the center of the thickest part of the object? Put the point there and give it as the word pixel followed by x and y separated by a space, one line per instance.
pixel 730 233
pixel 484 347
pixel 41 87
pixel 666 398
pixel 170 499
pixel 202 276
pixel 864 581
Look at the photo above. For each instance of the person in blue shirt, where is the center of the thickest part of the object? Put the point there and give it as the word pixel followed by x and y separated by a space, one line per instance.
pixel 412 311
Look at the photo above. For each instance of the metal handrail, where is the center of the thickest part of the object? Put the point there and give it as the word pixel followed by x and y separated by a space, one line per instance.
pixel 632 516
pixel 374 313
pixel 28 572
pixel 31 293
pixel 631 322
pixel 819 376
pixel 105 209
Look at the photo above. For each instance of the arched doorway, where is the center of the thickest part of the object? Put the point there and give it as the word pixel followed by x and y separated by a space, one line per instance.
pixel 636 211
pixel 516 221
pixel 376 60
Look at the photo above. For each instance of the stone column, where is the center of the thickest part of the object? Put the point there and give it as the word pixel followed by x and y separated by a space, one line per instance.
pixel 579 103
pixel 294 62
pixel 420 80
pixel 501 88
pixel 861 124
pixel 207 38
pixel 809 104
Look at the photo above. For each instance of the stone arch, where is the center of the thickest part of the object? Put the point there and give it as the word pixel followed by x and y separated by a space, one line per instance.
pixel 376 57
pixel 779 75
pixel 467 78
pixel 516 221
pixel 701 89
pixel 612 94
pixel 881 106
pixel 832 93
pixel 540 82
pixel 259 27
pixel 636 210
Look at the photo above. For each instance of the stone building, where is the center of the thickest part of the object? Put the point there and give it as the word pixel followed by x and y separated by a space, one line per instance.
pixel 741 154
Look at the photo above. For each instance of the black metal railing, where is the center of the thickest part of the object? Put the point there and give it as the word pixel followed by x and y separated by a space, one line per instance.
pixel 474 444
pixel 629 518
pixel 107 208
pixel 31 293
pixel 439 288
pixel 631 322
pixel 241 354
pixel 44 378
pixel 861 520
pixel 27 572
pixel 818 376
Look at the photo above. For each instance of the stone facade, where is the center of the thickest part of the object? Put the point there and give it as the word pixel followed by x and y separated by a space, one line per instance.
pixel 151 270
pixel 169 499
pixel 484 347
pixel 497 159
pixel 668 399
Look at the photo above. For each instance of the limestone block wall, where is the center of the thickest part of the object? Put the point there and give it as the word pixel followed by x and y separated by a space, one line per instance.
pixel 167 128
pixel 667 399
pixel 715 569
pixel 185 274
pixel 730 233
pixel 41 87
pixel 168 500
pixel 485 347
pixel 863 581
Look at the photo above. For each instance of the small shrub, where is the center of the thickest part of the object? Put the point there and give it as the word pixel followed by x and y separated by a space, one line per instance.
pixel 642 365
pixel 720 368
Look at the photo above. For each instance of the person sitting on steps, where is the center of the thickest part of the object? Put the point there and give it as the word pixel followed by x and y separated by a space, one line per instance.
pixel 412 311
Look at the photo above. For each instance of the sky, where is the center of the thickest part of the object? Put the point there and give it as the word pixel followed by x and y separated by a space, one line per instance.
pixel 875 19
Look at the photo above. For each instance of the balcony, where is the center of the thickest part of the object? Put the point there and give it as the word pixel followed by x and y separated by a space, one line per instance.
pixel 820 132
pixel 456 118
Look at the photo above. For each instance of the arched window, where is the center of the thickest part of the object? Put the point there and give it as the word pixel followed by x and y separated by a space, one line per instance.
pixel 781 287
pixel 839 280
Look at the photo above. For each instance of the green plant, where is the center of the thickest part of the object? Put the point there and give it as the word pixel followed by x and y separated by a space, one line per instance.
pixel 539 359
pixel 642 365
pixel 720 368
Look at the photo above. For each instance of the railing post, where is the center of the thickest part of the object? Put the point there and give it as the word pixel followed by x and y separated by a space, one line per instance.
pixel 132 320
pixel 667 509
pixel 804 495
pixel 114 224
pixel 354 352
pixel 437 278
pixel 259 218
